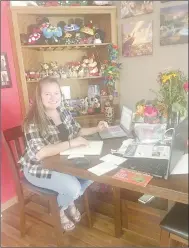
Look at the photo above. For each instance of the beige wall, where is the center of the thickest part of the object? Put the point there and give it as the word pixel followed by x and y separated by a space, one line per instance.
pixel 139 74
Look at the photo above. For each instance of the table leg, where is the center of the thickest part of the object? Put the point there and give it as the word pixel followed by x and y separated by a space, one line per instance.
pixel 117 206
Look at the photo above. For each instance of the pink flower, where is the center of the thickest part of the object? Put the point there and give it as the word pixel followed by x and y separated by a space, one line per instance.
pixel 150 111
pixel 186 86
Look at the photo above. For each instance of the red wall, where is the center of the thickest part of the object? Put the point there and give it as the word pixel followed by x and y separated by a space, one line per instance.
pixel 10 106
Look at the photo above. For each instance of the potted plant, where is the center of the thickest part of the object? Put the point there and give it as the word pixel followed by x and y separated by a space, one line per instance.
pixel 172 94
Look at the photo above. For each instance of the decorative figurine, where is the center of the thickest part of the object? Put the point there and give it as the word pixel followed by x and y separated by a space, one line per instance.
pixel 96 104
pixel 93 69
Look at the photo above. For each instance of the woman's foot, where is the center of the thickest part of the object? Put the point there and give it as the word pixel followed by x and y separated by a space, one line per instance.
pixel 67 224
pixel 74 213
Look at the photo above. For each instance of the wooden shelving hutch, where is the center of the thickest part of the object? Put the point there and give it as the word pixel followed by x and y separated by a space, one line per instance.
pixel 30 56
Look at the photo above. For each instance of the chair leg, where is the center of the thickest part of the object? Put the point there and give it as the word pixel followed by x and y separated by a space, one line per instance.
pixel 22 219
pixel 164 239
pixel 87 208
pixel 55 211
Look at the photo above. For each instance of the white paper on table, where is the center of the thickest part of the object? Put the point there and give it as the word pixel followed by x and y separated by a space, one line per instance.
pixel 182 166
pixel 102 168
pixel 113 159
pixel 151 151
pixel 94 148
pixel 125 145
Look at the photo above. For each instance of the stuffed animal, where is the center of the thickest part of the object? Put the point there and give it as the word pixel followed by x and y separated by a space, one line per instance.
pixel 34 31
pixel 96 104
pixel 99 35
pixel 52 34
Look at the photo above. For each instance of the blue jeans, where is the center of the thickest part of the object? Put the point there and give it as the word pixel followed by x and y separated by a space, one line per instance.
pixel 68 187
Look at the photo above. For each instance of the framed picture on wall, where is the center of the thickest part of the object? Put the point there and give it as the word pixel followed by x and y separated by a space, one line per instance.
pixel 137 39
pixel 174 25
pixel 5 72
pixel 134 8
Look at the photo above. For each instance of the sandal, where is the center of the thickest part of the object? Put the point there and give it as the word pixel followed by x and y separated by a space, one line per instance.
pixel 67 224
pixel 74 213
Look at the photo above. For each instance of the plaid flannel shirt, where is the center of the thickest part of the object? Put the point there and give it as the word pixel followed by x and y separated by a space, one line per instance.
pixel 35 142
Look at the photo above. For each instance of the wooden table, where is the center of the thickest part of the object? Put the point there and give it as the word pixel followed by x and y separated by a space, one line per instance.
pixel 174 189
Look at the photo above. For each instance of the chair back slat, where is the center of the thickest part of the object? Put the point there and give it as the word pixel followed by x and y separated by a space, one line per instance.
pixel 11 138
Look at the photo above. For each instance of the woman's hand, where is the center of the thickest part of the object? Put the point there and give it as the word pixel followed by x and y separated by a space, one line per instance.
pixel 102 125
pixel 79 141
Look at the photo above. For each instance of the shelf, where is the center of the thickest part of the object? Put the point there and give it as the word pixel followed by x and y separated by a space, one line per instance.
pixel 86 78
pixel 62 47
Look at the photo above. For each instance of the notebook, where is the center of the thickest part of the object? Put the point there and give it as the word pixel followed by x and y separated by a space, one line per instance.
pixel 94 148
pixel 133 177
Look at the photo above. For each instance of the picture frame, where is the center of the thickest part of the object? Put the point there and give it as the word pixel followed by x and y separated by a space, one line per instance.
pixel 174 25
pixel 5 72
pixel 135 8
pixel 137 38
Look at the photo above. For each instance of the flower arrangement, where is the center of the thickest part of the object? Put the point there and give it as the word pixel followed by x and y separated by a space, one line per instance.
pixel 148 111
pixel 172 95
pixel 111 68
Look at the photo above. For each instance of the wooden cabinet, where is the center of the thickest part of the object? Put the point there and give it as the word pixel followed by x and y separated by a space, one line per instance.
pixel 29 57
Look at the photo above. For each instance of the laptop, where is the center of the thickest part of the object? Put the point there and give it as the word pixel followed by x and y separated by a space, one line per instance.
pixel 122 130
pixel 158 161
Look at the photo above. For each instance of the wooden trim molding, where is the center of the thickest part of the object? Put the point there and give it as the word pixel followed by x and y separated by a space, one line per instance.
pixel 9 203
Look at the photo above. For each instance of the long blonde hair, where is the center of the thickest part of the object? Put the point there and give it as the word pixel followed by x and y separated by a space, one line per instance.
pixel 36 115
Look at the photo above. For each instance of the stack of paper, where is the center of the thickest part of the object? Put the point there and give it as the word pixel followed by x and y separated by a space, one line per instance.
pixel 102 168
pixel 111 162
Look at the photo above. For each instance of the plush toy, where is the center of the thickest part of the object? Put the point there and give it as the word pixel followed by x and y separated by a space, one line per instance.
pixel 67 39
pixel 99 35
pixel 88 31
pixel 52 34
pixel 96 104
pixel 97 39
pixel 34 31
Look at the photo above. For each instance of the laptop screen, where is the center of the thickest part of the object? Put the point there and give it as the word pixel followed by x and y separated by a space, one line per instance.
pixel 126 118
pixel 178 144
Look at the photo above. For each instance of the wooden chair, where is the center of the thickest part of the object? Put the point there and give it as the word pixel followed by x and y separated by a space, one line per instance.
pixel 174 227
pixel 14 136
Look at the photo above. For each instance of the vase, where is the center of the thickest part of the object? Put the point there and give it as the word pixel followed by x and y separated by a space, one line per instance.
pixel 169 118
pixel 151 119
pixel 109 115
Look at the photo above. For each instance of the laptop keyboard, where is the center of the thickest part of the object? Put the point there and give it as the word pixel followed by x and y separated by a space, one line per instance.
pixel 154 167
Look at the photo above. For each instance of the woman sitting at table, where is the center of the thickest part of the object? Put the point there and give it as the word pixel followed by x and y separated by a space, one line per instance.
pixel 50 129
